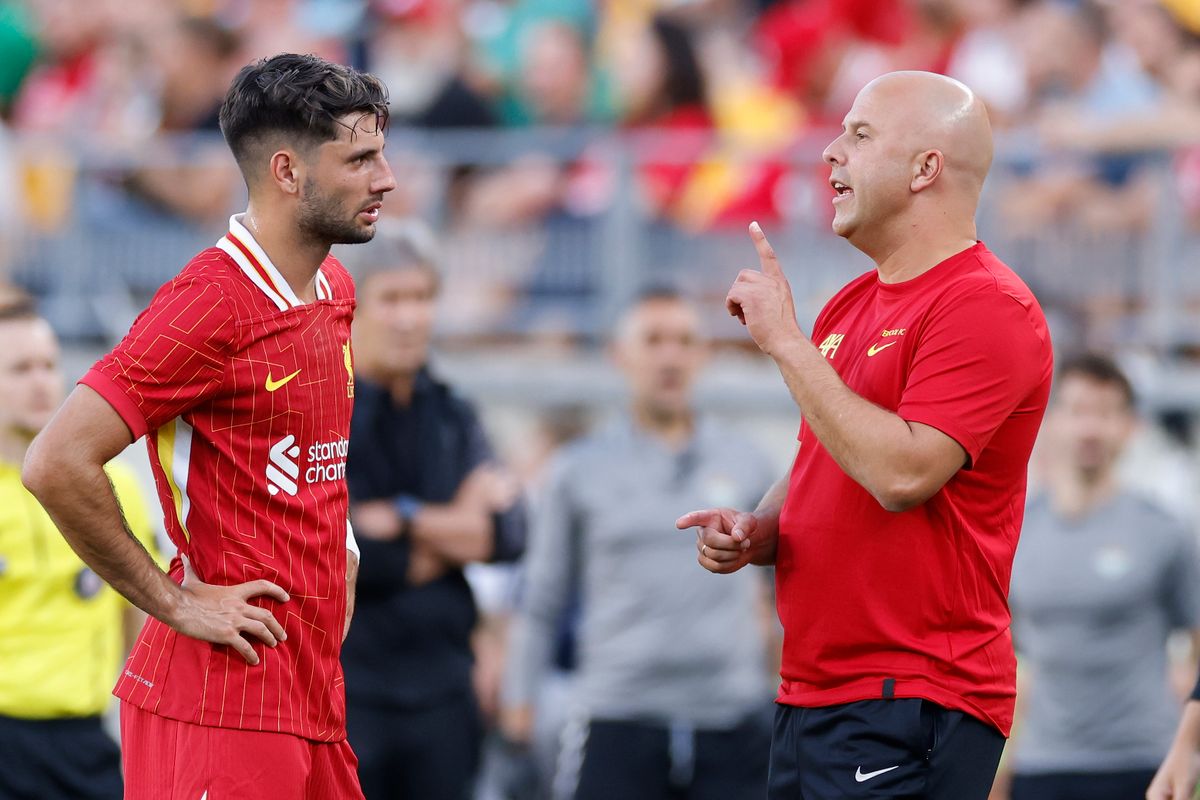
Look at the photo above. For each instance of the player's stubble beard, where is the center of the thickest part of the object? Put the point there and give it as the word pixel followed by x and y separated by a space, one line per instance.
pixel 322 218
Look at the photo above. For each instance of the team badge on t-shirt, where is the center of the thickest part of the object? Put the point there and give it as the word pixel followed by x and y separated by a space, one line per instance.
pixel 832 342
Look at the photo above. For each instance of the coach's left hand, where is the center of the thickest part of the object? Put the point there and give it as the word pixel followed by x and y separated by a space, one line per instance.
pixel 762 299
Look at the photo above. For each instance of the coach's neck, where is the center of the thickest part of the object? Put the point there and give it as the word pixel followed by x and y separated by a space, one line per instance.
pixel 938 223
pixel 296 256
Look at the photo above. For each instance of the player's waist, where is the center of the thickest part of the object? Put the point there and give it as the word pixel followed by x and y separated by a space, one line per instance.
pixel 317 723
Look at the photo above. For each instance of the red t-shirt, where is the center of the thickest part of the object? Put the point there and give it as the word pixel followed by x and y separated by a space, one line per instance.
pixel 915 604
pixel 244 394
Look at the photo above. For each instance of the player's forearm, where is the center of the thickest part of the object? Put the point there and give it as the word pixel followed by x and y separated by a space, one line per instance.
pixel 875 447
pixel 80 500
pixel 459 535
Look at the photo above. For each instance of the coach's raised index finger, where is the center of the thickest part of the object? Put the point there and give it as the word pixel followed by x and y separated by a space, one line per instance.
pixel 766 254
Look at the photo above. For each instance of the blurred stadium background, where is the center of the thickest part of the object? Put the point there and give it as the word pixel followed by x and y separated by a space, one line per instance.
pixel 569 152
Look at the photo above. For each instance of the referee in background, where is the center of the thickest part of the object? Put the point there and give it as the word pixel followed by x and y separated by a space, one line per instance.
pixel 64 630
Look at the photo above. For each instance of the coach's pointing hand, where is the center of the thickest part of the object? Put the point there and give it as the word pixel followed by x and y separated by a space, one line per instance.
pixel 723 537
pixel 762 300
pixel 224 615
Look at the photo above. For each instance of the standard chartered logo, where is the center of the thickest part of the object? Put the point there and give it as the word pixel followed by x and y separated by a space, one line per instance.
pixel 326 462
pixel 282 469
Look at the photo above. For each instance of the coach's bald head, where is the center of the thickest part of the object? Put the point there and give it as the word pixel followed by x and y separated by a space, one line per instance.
pixel 913 153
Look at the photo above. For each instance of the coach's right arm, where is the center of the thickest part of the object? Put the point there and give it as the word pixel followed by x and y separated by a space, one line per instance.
pixel 64 469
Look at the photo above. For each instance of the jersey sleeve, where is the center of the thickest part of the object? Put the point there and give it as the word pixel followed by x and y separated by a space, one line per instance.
pixel 173 358
pixel 978 358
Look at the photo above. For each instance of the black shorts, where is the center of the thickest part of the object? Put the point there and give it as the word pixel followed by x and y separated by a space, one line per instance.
pixel 1125 785
pixel 645 761
pixel 905 748
pixel 58 758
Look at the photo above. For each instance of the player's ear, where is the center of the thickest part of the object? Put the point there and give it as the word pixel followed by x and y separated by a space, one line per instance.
pixel 285 172
pixel 927 166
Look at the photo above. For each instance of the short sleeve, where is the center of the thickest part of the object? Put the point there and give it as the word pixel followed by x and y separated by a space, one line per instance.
pixel 172 359
pixel 979 357
pixel 1182 585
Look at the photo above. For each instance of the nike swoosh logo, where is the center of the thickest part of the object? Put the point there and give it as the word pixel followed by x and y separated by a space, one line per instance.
pixel 273 385
pixel 878 348
pixel 860 776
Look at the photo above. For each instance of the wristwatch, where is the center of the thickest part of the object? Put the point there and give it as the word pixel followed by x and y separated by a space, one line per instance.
pixel 407 507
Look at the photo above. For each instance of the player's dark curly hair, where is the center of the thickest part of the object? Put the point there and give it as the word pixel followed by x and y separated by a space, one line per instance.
pixel 299 98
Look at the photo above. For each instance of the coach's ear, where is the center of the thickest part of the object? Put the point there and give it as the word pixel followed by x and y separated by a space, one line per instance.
pixel 925 169
pixel 285 171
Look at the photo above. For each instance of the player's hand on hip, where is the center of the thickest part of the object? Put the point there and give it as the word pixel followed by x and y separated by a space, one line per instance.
pixel 224 615
pixel 1176 778
pixel 723 537
pixel 762 298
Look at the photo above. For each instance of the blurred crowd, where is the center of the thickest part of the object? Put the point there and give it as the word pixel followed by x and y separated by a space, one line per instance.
pixel 519 118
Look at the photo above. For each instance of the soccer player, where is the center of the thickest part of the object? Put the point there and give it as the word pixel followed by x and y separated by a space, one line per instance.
pixel 239 375
pixel 64 631
pixel 665 707
pixel 921 390
pixel 1101 579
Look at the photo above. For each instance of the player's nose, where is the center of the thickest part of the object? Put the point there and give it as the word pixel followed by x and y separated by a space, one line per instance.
pixel 385 181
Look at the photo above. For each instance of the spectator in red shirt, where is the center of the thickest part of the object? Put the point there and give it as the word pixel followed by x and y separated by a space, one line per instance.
pixel 893 537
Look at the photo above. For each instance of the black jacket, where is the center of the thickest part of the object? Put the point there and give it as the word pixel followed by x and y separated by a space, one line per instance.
pixel 409 646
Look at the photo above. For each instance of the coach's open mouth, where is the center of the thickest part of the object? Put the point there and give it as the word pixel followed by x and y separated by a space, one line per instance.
pixel 371 212
pixel 841 189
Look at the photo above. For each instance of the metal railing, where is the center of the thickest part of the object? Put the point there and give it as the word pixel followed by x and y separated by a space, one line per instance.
pixel 102 252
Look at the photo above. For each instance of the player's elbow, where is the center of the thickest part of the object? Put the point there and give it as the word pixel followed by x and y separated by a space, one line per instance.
pixel 40 473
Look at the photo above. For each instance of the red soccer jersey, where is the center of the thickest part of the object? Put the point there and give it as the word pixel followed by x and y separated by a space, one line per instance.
pixel 244 394
pixel 877 604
